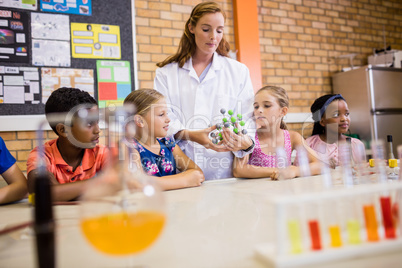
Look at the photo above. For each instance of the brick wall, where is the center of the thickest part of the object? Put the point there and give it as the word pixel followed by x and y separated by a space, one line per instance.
pixel 21 143
pixel 301 41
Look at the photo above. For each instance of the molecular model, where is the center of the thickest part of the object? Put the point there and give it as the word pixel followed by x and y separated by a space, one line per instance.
pixel 234 123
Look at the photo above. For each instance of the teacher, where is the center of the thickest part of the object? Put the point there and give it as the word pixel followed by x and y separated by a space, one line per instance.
pixel 198 81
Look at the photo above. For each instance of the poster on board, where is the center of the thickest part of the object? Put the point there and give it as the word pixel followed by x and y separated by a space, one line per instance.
pixel 50 40
pixel 50 26
pixel 54 78
pixel 50 53
pixel 114 82
pixel 14 36
pixel 19 85
pixel 20 4
pixel 78 7
pixel 95 41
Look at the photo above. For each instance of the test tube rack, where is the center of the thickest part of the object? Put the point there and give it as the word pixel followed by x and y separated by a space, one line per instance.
pixel 307 246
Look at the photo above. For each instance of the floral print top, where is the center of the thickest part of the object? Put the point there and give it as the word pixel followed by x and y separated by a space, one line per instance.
pixel 160 165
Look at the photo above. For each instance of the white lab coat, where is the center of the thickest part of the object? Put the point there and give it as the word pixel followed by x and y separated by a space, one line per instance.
pixel 194 106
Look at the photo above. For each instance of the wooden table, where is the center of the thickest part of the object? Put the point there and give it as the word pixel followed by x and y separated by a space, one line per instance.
pixel 215 225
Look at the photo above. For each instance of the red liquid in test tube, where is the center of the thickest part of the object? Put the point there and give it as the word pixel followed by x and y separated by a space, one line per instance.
pixel 315 234
pixel 387 217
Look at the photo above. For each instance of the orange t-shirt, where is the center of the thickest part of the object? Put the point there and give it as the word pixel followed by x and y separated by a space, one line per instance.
pixel 93 161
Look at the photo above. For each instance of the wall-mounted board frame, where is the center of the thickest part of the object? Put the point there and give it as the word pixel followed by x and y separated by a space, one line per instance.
pixel 28 115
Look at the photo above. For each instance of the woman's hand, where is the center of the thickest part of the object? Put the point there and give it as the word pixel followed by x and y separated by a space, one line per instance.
pixel 202 137
pixel 235 142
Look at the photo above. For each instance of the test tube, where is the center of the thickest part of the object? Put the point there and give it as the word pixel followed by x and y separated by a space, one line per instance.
pixel 377 147
pixel 332 209
pixel 295 229
pixel 295 237
pixel 345 156
pixel 385 198
pixel 387 217
pixel 303 162
pixel 281 158
pixel 353 229
pixel 399 148
pixel 335 233
pixel 397 206
pixel 353 220
pixel 281 161
pixel 326 175
pixel 361 164
pixel 397 210
pixel 333 224
pixel 370 220
pixel 349 144
pixel 314 228
pixel 313 223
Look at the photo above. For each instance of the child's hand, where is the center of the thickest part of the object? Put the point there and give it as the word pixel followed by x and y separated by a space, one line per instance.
pixel 288 173
pixel 332 163
pixel 202 137
pixel 275 175
pixel 195 178
pixel 235 142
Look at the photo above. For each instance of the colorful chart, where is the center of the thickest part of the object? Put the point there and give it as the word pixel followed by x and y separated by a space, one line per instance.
pixel 14 36
pixel 114 82
pixel 54 78
pixel 95 41
pixel 79 7
pixel 20 4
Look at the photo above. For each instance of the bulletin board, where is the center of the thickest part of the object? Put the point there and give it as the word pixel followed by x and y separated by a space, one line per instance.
pixel 45 45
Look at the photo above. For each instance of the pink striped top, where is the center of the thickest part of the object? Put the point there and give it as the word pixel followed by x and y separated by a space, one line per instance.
pixel 259 158
pixel 328 151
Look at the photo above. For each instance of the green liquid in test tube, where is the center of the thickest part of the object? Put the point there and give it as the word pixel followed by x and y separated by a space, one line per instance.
pixel 295 236
pixel 353 228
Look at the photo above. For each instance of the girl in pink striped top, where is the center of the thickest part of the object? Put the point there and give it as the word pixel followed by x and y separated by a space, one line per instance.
pixel 270 106
pixel 331 123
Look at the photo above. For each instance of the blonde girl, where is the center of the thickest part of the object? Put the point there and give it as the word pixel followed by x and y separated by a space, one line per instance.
pixel 157 154
pixel 271 104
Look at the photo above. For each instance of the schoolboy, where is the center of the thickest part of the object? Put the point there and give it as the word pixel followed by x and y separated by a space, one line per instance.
pixel 74 156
